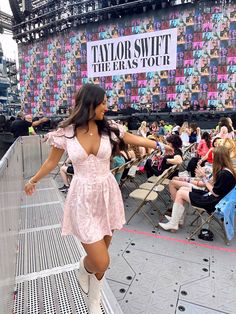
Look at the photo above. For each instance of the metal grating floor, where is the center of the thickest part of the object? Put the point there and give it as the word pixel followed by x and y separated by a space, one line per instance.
pixel 53 294
pixel 151 272
pixel 47 263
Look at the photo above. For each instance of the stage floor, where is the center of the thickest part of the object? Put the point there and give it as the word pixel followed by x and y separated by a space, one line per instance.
pixel 151 271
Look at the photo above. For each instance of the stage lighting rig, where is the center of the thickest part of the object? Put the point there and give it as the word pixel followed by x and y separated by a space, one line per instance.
pixel 40 18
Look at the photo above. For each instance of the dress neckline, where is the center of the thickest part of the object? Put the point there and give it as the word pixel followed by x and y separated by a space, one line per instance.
pixel 84 150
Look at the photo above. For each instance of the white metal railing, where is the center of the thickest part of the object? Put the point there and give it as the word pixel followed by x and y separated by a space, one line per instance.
pixel 21 161
pixel 11 181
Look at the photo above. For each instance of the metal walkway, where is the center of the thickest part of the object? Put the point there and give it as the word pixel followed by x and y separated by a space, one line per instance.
pixel 151 272
pixel 47 264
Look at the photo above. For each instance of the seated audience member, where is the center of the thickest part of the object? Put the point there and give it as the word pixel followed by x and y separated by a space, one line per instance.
pixel 231 145
pixel 154 128
pixel 168 128
pixel 204 145
pixel 161 131
pixel 131 152
pixel 66 171
pixel 127 154
pixel 184 133
pixel 20 127
pixel 118 160
pixel 202 149
pixel 193 133
pixel 225 128
pixel 137 151
pixel 209 155
pixel 172 156
pixel 223 172
pixel 143 129
pixel 175 129
pixel 125 125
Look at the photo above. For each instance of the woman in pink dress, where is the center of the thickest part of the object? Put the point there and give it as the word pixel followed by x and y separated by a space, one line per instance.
pixel 94 206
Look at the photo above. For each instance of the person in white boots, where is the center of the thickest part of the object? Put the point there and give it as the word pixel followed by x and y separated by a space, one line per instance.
pixel 223 171
pixel 94 206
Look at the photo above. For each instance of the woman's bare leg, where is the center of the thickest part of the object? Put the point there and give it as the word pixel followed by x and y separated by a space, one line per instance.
pixel 64 175
pixel 107 240
pixel 182 195
pixel 97 259
pixel 175 185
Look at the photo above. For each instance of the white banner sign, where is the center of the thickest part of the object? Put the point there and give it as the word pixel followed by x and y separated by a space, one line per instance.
pixel 148 52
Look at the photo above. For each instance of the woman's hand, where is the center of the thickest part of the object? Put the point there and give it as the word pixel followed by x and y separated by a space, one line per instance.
pixel 200 172
pixel 29 188
pixel 199 162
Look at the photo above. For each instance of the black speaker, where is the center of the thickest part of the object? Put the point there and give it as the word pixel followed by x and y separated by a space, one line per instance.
pixel 18 17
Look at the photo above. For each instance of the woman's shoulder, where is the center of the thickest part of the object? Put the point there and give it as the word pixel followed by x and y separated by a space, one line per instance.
pixel 69 131
pixel 58 138
pixel 225 172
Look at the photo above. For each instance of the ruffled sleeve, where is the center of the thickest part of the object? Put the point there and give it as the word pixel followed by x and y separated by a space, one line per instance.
pixel 57 138
pixel 120 127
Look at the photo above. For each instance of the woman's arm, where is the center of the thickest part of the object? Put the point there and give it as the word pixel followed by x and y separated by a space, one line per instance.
pixel 206 156
pixel 176 160
pixel 51 162
pixel 201 174
pixel 143 142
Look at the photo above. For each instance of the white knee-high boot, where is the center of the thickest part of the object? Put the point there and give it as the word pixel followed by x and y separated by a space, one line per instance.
pixel 181 221
pixel 83 276
pixel 173 224
pixel 94 297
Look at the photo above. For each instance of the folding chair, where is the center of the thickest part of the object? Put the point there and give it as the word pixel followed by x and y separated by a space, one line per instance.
pixel 224 215
pixel 187 151
pixel 120 169
pixel 166 180
pixel 115 170
pixel 146 196
pixel 202 213
pixel 160 187
pixel 132 167
pixel 170 170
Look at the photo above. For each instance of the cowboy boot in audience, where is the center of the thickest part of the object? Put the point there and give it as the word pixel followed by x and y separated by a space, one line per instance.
pixel 181 221
pixel 173 224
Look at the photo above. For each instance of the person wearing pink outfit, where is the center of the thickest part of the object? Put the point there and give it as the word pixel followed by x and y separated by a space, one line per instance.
pixel 94 206
pixel 204 145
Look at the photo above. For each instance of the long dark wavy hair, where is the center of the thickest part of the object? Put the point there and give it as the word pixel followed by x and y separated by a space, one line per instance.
pixel 206 136
pixel 86 100
pixel 225 122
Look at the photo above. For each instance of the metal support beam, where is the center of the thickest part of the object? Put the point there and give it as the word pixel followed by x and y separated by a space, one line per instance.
pixel 5 21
